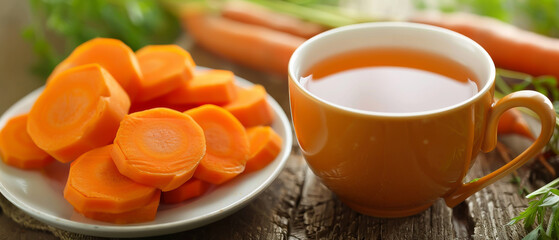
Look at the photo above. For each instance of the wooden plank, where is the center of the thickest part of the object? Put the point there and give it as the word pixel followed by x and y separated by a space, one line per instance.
pixel 494 206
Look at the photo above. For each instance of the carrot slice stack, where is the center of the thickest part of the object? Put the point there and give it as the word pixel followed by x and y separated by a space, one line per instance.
pixel 207 87
pixel 251 107
pixel 17 148
pixel 95 185
pixel 113 55
pixel 190 189
pixel 265 145
pixel 80 109
pixel 143 214
pixel 159 147
pixel 164 68
pixel 227 144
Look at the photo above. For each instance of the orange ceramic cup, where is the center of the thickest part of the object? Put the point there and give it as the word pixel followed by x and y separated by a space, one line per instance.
pixel 399 164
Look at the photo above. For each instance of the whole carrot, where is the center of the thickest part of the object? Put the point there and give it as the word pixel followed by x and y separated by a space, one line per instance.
pixel 251 45
pixel 257 15
pixel 510 47
pixel 512 122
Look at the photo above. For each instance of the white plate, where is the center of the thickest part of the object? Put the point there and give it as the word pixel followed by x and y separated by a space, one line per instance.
pixel 39 192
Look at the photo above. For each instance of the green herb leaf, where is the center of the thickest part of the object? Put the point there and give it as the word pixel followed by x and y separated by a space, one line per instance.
pixel 536 234
pixel 72 22
pixel 547 225
pixel 474 180
pixel 545 189
pixel 551 200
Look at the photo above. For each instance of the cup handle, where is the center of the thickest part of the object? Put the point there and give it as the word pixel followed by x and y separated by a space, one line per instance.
pixel 532 100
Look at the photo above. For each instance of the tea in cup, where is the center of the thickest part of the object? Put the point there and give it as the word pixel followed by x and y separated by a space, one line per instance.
pixel 391 116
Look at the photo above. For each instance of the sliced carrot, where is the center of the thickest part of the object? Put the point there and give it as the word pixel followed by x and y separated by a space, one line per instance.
pixel 251 45
pixel 113 55
pixel 207 87
pixel 512 122
pixel 190 189
pixel 257 15
pixel 143 214
pixel 509 46
pixel 159 147
pixel 164 68
pixel 16 147
pixel 227 144
pixel 158 102
pixel 265 145
pixel 251 107
pixel 95 185
pixel 80 109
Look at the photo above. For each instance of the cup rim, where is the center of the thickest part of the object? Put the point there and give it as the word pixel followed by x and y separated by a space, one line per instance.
pixel 487 86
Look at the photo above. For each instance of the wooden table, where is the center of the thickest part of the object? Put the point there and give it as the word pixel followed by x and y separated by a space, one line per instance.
pixel 296 205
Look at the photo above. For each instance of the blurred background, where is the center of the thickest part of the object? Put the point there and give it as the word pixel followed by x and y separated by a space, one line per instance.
pixel 37 34
pixel 16 55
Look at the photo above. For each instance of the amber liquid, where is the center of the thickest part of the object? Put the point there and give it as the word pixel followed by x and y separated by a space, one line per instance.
pixel 391 80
